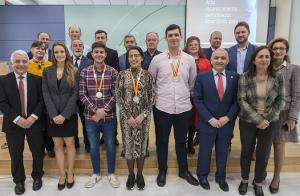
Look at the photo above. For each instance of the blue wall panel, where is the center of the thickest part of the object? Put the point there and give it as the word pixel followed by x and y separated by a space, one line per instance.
pixel 20 24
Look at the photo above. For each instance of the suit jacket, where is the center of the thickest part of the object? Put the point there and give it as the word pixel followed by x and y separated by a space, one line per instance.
pixel 291 74
pixel 111 58
pixel 208 52
pixel 62 99
pixel 123 62
pixel 85 62
pixel 247 98
pixel 10 103
pixel 232 52
pixel 208 103
pixel 30 55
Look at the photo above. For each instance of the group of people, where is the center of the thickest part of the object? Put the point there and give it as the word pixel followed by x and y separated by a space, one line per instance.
pixel 191 90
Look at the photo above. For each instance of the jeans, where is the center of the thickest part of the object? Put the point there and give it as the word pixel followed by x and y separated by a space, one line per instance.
pixel 93 134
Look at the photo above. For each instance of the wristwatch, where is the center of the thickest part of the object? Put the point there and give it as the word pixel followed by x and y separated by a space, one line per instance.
pixel 145 115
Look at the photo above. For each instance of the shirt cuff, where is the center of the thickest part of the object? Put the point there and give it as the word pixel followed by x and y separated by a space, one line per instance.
pixel 34 116
pixel 16 119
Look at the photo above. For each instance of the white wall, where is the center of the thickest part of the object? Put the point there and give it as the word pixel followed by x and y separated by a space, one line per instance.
pixel 283 17
pixel 294 33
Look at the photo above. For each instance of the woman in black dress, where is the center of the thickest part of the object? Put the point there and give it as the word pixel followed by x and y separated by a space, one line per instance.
pixel 60 91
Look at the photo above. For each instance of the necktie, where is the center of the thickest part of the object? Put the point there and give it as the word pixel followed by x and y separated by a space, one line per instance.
pixel 220 86
pixel 76 62
pixel 22 95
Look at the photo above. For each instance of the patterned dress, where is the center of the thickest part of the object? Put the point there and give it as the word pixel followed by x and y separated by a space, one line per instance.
pixel 134 139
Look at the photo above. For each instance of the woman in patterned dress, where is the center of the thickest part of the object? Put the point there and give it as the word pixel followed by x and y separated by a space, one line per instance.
pixel 135 96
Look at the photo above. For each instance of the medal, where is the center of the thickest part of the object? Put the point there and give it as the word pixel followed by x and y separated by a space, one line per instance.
pixel 136 99
pixel 98 94
pixel 175 69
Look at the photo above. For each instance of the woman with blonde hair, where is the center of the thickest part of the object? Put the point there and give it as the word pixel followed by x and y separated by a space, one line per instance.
pixel 60 91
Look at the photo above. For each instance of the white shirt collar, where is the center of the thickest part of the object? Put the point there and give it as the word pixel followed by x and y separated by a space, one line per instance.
pixel 216 72
pixel 284 63
pixel 24 75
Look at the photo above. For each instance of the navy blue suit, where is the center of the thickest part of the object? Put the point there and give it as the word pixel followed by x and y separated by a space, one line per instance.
pixel 208 52
pixel 232 52
pixel 208 105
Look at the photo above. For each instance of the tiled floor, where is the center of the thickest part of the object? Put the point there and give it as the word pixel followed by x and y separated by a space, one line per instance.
pixel 290 186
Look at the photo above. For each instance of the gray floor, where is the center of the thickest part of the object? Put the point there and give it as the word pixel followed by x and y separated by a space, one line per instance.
pixel 289 186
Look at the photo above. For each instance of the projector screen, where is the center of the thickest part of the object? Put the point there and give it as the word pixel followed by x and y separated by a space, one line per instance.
pixel 205 16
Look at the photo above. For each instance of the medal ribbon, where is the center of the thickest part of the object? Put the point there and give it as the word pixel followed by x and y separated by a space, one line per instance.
pixel 136 82
pixel 175 69
pixel 99 86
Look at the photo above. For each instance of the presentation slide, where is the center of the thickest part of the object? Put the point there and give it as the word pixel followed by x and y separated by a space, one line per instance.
pixel 206 16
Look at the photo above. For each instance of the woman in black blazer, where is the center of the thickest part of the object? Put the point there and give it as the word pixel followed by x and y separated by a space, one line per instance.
pixel 60 91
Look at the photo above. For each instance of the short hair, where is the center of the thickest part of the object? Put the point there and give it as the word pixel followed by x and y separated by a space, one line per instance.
pixel 39 33
pixel 242 24
pixel 76 27
pixel 285 42
pixel 39 44
pixel 98 45
pixel 172 27
pixel 21 52
pixel 215 32
pixel 100 31
pixel 153 33
pixel 189 40
pixel 128 36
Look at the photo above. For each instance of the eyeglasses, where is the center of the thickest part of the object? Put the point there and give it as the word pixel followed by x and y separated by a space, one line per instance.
pixel 280 49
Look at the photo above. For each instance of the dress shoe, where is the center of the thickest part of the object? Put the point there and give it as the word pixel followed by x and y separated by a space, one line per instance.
pixel 70 184
pixel 274 190
pixel 223 185
pixel 189 178
pixel 62 186
pixel 204 183
pixel 37 184
pixel 258 190
pixel 243 187
pixel 19 188
pixel 161 178
pixel 130 182
pixel 140 182
pixel 51 153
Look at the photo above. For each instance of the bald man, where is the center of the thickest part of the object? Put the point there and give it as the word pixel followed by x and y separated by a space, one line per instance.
pixel 215 97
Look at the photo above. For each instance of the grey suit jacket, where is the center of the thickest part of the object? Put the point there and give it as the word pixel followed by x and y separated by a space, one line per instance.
pixel 60 100
pixel 291 74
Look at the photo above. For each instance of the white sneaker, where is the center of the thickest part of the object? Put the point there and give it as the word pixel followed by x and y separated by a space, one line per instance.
pixel 92 181
pixel 113 180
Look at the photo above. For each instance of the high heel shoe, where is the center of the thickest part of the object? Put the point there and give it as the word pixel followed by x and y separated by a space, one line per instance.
pixel 71 184
pixel 62 186
pixel 274 190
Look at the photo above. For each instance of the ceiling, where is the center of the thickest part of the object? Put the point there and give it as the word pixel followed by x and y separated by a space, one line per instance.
pixel 96 2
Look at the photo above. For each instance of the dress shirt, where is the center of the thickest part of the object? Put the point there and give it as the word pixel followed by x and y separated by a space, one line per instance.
pixel 241 56
pixel 223 78
pixel 173 97
pixel 78 61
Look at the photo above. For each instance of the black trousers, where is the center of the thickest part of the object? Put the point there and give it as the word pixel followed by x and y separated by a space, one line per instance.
pixel 250 135
pixel 15 143
pixel 163 123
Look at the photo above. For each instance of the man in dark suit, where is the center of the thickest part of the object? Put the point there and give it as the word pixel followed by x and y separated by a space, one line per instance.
pixel 43 37
pixel 240 54
pixel 112 55
pixel 80 62
pixel 215 97
pixel 129 40
pixel 215 41
pixel 22 118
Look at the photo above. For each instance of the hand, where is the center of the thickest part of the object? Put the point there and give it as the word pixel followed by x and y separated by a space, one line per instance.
pixel 263 125
pixel 132 122
pixel 139 119
pixel 95 118
pixel 30 120
pixel 291 124
pixel 101 113
pixel 223 120
pixel 22 123
pixel 58 119
pixel 215 123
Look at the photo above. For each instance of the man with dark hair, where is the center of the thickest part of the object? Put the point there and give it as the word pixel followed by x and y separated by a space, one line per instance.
pixel 112 55
pixel 174 73
pixel 129 40
pixel 43 37
pixel 240 54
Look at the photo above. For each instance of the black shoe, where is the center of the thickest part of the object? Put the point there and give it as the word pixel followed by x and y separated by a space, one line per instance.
pixel 62 186
pixel 37 184
pixel 117 142
pixel 161 178
pixel 189 178
pixel 19 188
pixel 190 148
pixel 204 183
pixel 274 190
pixel 51 153
pixel 102 140
pixel 70 184
pixel 223 185
pixel 140 182
pixel 130 182
pixel 258 190
pixel 243 187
